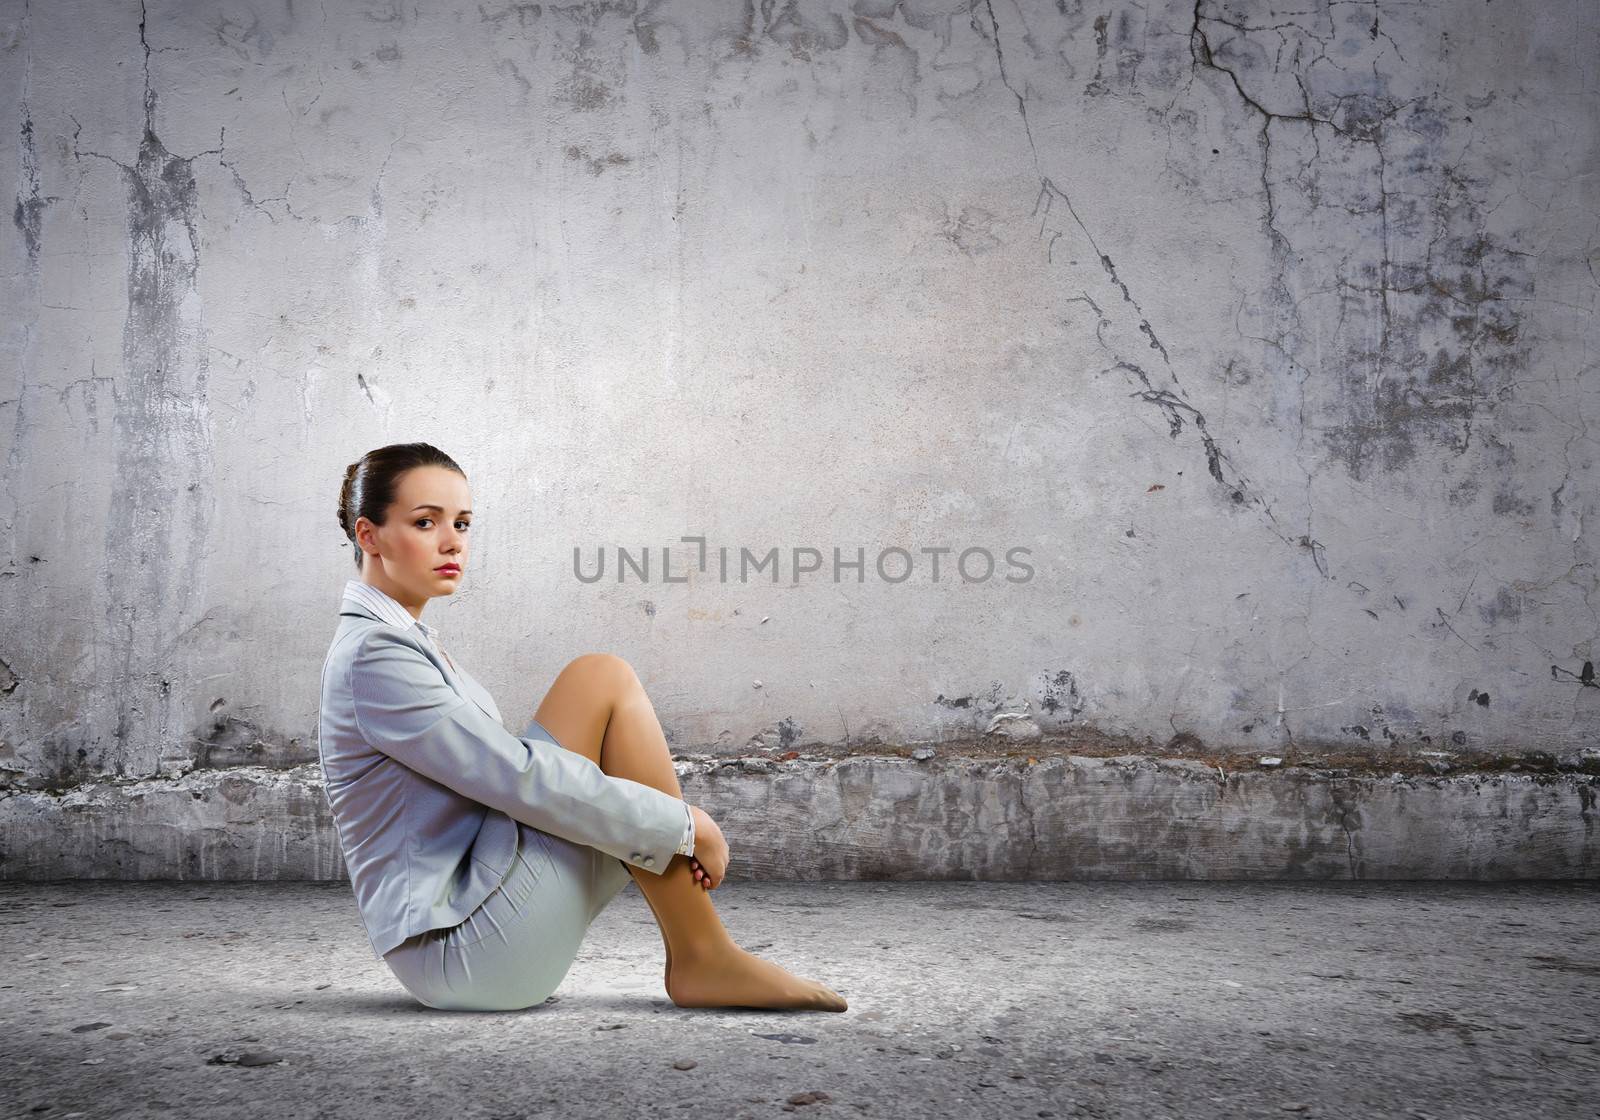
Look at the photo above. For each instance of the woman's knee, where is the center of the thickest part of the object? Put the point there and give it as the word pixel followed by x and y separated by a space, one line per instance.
pixel 607 668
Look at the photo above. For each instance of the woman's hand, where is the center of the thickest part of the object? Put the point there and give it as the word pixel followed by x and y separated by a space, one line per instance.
pixel 710 860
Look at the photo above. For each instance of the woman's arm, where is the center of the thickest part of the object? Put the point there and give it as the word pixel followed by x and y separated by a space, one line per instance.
pixel 405 708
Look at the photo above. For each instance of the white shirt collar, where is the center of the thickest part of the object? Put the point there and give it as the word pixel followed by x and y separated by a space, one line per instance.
pixel 385 607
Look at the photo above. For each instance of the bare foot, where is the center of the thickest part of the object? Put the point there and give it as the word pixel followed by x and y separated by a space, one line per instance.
pixel 733 977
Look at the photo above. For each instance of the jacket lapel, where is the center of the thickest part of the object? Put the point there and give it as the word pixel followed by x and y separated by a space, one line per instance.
pixel 463 685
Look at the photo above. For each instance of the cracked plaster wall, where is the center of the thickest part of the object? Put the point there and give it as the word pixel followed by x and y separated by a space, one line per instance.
pixel 1270 333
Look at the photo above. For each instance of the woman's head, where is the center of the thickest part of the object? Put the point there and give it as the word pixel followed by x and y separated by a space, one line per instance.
pixel 406 508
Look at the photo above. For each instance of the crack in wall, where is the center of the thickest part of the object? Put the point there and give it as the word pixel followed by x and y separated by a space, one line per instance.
pixel 1172 402
pixel 1393 409
pixel 1344 810
pixel 1385 416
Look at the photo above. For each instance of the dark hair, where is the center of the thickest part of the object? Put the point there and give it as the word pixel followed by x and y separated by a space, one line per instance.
pixel 370 482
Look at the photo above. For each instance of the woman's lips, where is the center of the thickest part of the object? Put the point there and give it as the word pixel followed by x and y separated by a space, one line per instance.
pixel 448 571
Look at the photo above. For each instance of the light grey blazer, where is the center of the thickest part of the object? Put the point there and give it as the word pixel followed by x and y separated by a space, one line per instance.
pixel 427 786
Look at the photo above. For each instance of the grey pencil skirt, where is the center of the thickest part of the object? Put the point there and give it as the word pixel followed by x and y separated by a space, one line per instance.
pixel 516 947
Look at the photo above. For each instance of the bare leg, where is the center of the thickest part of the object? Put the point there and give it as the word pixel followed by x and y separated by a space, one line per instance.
pixel 597 707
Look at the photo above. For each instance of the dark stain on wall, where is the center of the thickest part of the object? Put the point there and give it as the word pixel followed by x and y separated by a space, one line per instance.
pixel 1058 697
pixel 228 741
pixel 158 525
pixel 784 24
pixel 1506 607
pixel 788 732
pixel 1448 343
pixel 1584 676
pixel 159 522
pixel 31 203
pixel 596 165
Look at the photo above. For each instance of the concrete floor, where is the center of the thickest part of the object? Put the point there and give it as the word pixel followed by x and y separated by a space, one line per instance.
pixel 1189 999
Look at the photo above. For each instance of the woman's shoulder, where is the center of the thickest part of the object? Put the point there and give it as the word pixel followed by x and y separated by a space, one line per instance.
pixel 381 650
pixel 359 638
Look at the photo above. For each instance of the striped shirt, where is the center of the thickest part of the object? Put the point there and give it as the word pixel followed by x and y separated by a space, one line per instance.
pixel 387 608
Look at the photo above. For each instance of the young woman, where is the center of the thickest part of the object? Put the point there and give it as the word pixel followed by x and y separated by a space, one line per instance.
pixel 479 858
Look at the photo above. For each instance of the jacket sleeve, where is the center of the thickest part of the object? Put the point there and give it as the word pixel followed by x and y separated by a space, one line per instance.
pixel 405 708
pixel 686 845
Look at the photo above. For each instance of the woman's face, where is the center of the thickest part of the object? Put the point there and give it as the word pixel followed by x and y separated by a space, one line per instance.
pixel 427 527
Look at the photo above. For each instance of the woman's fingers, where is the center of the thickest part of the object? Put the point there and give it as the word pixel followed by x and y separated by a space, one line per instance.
pixel 711 847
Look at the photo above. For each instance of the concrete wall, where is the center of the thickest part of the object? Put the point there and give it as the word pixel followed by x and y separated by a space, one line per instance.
pixel 1127 818
pixel 1270 336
